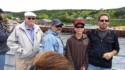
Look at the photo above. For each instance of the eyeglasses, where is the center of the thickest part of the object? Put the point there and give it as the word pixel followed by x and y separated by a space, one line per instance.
pixel 31 18
pixel 104 20
pixel 57 26
pixel 79 26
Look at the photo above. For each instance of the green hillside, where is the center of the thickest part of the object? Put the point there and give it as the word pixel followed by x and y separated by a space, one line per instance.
pixel 68 15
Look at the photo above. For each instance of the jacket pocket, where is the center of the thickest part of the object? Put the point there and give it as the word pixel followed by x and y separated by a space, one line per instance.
pixel 109 40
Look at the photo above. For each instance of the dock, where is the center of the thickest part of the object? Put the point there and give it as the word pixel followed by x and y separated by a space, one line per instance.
pixel 120 33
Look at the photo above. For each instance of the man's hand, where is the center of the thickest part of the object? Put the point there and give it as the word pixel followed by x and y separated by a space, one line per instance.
pixel 21 51
pixel 108 55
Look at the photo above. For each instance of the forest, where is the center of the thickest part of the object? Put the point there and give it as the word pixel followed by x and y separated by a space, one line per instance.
pixel 67 16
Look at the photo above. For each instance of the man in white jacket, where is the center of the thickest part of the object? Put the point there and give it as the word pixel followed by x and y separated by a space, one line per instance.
pixel 24 40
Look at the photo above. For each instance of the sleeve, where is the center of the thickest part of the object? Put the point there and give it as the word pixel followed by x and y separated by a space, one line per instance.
pixel 3 35
pixel 12 41
pixel 86 56
pixel 116 43
pixel 68 53
pixel 85 61
pixel 47 44
pixel 40 44
pixel 88 34
pixel 42 35
pixel 59 46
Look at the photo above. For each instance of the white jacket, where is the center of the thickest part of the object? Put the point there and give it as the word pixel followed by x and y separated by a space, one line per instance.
pixel 19 40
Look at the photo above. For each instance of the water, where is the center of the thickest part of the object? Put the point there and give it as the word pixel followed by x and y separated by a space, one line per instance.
pixel 118 60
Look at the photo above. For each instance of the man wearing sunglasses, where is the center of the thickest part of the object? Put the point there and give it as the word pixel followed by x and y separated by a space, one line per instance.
pixel 103 45
pixel 52 40
pixel 24 40
pixel 77 47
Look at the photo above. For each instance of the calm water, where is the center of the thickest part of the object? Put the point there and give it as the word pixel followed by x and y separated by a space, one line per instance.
pixel 118 61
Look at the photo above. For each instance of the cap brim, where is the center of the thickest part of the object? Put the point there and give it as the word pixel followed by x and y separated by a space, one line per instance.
pixel 57 24
pixel 60 24
pixel 79 24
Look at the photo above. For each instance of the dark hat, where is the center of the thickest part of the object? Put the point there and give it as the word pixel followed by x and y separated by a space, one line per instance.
pixel 1 11
pixel 79 21
pixel 56 22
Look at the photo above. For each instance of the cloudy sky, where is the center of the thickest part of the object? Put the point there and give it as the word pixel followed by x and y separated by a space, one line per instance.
pixel 30 5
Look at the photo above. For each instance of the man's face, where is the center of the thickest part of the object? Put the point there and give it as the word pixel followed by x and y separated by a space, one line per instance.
pixel 1 16
pixel 103 22
pixel 57 28
pixel 79 29
pixel 30 20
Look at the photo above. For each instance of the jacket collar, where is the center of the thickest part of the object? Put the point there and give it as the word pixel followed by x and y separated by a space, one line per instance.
pixel 22 26
pixel 82 38
pixel 50 31
pixel 109 32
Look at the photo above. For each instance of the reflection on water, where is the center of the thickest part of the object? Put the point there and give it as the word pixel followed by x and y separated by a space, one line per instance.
pixel 118 61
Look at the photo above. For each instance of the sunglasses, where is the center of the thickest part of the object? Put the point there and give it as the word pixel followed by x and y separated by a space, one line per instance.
pixel 57 26
pixel 104 20
pixel 31 18
pixel 79 26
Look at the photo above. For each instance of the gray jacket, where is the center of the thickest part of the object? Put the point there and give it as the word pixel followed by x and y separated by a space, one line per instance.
pixel 19 39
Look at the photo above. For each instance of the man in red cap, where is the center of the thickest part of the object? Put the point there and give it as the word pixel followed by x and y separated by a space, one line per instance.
pixel 3 40
pixel 76 47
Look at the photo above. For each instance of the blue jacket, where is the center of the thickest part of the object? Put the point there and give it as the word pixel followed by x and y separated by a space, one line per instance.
pixel 3 39
pixel 52 42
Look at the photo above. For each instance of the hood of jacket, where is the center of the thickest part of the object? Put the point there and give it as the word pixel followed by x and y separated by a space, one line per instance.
pixel 50 31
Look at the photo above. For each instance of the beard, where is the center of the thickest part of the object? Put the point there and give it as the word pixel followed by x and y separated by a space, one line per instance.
pixel 103 27
pixel 59 31
pixel 1 18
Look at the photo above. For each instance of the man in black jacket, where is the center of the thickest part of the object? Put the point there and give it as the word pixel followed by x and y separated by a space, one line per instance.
pixel 3 40
pixel 103 45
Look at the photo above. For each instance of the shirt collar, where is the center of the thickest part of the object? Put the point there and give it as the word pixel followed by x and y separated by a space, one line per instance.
pixel 28 27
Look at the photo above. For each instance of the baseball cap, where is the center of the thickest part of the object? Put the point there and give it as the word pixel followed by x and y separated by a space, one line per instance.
pixel 79 21
pixel 30 14
pixel 1 11
pixel 56 22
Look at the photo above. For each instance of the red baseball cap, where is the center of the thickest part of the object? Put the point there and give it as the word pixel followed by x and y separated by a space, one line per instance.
pixel 79 22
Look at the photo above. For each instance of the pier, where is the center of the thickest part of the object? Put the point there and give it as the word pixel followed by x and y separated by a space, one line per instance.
pixel 120 33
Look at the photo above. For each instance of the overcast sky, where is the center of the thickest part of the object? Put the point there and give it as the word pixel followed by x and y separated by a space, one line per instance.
pixel 30 5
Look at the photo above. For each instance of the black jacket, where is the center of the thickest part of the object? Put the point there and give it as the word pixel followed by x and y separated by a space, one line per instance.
pixel 3 39
pixel 100 46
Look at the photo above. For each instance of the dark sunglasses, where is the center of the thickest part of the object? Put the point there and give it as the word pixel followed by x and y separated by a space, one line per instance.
pixel 31 18
pixel 104 20
pixel 57 26
pixel 79 26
